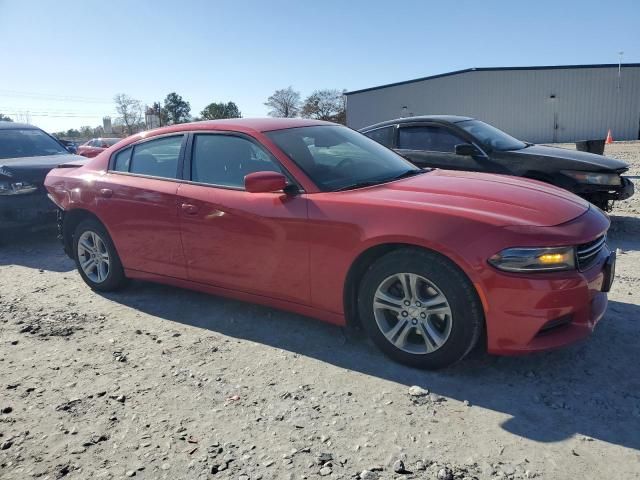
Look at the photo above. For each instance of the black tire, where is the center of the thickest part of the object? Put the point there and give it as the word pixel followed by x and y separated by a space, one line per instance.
pixel 466 320
pixel 115 278
pixel 602 204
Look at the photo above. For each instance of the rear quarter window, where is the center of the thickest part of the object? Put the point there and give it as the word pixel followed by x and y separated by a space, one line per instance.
pixel 383 136
pixel 122 160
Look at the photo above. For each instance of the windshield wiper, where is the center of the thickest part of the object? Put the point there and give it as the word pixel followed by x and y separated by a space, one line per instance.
pixel 358 185
pixel 409 173
pixel 369 183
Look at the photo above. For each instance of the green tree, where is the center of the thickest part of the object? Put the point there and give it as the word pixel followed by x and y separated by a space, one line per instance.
pixel 86 131
pixel 176 109
pixel 284 103
pixel 215 111
pixel 4 118
pixel 329 105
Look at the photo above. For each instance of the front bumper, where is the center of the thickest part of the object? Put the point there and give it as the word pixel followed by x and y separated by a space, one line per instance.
pixel 20 211
pixel 535 313
pixel 621 192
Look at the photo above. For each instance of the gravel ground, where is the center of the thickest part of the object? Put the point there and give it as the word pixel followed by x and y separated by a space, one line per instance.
pixel 157 382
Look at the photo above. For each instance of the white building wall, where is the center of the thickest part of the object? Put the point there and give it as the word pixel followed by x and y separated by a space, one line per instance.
pixel 587 102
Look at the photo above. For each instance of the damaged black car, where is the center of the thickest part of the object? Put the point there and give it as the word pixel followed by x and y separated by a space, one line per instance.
pixel 462 143
pixel 27 154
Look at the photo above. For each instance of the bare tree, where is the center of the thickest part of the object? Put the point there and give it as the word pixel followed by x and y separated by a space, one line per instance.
pixel 130 111
pixel 327 105
pixel 284 103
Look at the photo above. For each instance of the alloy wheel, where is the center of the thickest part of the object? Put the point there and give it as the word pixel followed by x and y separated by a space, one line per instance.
pixel 93 256
pixel 412 313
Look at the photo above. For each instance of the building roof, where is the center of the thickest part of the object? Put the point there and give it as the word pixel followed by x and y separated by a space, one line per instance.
pixel 419 118
pixel 496 69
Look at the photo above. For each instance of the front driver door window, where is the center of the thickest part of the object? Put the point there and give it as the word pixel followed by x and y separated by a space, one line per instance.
pixel 247 242
pixel 433 146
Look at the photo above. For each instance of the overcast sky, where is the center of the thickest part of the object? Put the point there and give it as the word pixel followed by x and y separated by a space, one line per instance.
pixel 63 61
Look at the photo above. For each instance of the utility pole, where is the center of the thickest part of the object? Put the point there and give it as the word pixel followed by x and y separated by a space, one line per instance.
pixel 620 54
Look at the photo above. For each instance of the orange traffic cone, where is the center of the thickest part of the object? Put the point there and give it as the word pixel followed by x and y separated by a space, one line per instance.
pixel 609 138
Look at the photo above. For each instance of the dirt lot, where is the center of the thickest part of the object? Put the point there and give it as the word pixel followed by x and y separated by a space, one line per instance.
pixel 156 382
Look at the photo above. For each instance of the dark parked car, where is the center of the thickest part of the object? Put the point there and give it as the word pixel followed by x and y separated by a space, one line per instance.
pixel 26 156
pixel 463 143
pixel 71 146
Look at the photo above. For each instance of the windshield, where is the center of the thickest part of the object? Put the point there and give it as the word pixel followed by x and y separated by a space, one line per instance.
pixel 338 158
pixel 28 142
pixel 490 136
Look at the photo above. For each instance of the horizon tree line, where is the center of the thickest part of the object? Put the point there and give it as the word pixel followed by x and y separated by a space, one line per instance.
pixel 324 104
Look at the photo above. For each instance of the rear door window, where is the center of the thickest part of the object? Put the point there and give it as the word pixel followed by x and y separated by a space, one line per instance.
pixel 428 138
pixel 156 158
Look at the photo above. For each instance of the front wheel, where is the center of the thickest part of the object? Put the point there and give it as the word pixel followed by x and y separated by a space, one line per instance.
pixel 96 257
pixel 420 309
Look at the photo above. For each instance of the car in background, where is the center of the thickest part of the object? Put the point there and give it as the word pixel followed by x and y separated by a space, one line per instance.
pixel 315 218
pixel 463 143
pixel 95 146
pixel 26 156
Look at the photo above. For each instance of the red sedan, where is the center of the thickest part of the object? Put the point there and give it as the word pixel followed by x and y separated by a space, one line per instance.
pixel 318 219
pixel 95 146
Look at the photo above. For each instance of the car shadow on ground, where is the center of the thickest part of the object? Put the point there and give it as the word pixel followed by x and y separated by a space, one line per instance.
pixel 39 249
pixel 590 389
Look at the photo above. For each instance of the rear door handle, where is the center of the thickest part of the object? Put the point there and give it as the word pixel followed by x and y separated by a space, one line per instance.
pixel 189 209
pixel 106 192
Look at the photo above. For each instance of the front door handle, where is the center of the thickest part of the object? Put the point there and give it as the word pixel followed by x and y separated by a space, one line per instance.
pixel 106 192
pixel 189 209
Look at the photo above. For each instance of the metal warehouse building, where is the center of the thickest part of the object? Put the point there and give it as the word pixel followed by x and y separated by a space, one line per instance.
pixel 539 104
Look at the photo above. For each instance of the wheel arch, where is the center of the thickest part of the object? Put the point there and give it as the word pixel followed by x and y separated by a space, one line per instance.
pixel 72 218
pixel 368 256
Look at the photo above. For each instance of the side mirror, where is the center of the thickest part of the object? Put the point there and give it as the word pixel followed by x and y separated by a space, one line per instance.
pixel 467 150
pixel 265 182
pixel 71 149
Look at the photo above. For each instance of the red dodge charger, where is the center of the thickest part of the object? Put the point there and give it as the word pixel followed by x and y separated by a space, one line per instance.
pixel 315 218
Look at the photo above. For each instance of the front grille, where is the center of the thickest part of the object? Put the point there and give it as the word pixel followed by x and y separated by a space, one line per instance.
pixel 587 253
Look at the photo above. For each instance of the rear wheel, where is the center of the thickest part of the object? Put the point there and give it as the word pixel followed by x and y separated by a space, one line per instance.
pixel 96 257
pixel 420 309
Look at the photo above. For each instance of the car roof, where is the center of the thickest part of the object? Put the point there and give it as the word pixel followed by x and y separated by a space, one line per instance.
pixel 241 125
pixel 420 118
pixel 4 125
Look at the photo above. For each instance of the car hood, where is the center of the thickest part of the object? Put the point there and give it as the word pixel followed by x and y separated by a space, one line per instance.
pixel 573 159
pixel 497 199
pixel 35 169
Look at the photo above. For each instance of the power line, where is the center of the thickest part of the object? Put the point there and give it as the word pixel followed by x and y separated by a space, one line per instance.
pixel 53 115
pixel 52 97
pixel 56 111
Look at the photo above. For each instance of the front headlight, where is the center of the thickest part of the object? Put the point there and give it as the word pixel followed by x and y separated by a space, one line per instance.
pixel 594 178
pixel 17 188
pixel 534 259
